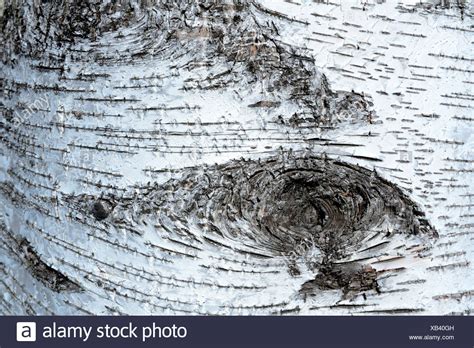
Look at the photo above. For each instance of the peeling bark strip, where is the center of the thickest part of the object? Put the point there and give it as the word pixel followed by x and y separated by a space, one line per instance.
pixel 350 280
pixel 21 248
pixel 47 275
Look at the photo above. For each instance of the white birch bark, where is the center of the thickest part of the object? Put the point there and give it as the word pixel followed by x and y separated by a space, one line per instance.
pixel 236 158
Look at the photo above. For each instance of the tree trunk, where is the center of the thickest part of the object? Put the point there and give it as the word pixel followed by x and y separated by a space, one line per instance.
pixel 235 158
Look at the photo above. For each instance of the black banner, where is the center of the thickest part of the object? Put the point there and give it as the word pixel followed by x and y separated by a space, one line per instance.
pixel 181 331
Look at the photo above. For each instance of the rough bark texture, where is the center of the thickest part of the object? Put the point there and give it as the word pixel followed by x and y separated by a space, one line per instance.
pixel 204 157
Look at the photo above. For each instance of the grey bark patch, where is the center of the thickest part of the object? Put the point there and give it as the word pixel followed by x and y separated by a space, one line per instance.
pixel 238 34
pixel 348 279
pixel 280 203
pixel 50 277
